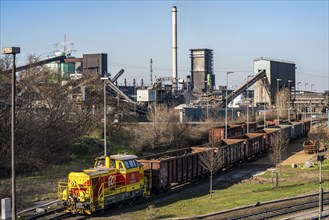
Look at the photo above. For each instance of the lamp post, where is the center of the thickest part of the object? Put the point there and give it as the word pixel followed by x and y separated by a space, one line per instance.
pixel 305 102
pixel 320 158
pixel 226 103
pixel 299 107
pixel 104 80
pixel 311 107
pixel 13 51
pixel 277 99
pixel 298 85
pixel 208 84
pixel 232 101
pixel 289 85
pixel 248 103
pixel 155 97
pixel 264 90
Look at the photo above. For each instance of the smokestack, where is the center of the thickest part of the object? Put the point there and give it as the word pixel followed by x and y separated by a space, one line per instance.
pixel 174 48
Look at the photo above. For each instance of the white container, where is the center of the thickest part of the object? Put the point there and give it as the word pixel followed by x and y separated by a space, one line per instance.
pixel 5 208
pixel 146 95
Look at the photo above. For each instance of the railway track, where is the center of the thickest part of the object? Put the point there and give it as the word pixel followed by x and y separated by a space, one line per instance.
pixel 272 213
pixel 268 210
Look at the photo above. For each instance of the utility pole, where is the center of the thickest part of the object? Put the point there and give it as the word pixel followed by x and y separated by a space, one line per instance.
pixel 248 103
pixel 151 71
pixel 13 51
pixel 264 90
pixel 305 102
pixel 105 110
pixel 289 85
pixel 277 99
pixel 320 158
pixel 226 103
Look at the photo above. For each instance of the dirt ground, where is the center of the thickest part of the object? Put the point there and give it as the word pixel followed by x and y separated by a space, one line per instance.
pixel 296 154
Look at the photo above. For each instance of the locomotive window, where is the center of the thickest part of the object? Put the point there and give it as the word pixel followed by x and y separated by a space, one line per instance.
pixel 127 164
pixel 132 163
pixel 101 163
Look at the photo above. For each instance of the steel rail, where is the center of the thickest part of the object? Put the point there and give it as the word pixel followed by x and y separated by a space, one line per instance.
pixel 281 211
pixel 248 207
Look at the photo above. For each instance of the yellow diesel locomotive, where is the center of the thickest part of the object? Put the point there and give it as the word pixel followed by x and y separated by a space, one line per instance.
pixel 113 180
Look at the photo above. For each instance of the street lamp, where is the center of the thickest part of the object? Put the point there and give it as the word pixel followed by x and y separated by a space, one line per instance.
pixel 298 85
pixel 311 100
pixel 104 80
pixel 289 85
pixel 155 98
pixel 226 103
pixel 13 51
pixel 320 158
pixel 248 103
pixel 207 99
pixel 305 102
pixel 232 101
pixel 264 90
pixel 277 99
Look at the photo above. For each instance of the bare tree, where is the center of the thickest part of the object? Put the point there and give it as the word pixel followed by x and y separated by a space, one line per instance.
pixel 211 160
pixel 164 129
pixel 47 120
pixel 277 151
pixel 282 102
pixel 320 134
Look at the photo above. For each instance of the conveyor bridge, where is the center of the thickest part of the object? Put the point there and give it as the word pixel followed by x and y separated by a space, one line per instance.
pixel 242 88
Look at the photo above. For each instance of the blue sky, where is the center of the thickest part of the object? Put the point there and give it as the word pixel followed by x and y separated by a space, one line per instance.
pixel 133 32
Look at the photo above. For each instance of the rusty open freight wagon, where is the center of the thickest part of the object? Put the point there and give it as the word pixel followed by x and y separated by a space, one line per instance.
pixel 173 168
pixel 233 130
pixel 270 135
pixel 254 143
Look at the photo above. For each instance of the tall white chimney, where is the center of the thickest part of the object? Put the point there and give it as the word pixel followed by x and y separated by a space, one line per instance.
pixel 174 49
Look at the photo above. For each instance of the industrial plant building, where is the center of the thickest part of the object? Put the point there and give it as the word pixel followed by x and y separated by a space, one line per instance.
pixel 202 73
pixel 279 74
pixel 95 63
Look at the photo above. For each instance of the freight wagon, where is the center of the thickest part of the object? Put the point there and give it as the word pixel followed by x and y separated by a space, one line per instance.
pixel 254 144
pixel 286 131
pixel 177 167
pixel 306 126
pixel 218 133
pixel 252 127
pixel 297 130
pixel 270 135
pixel 231 151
